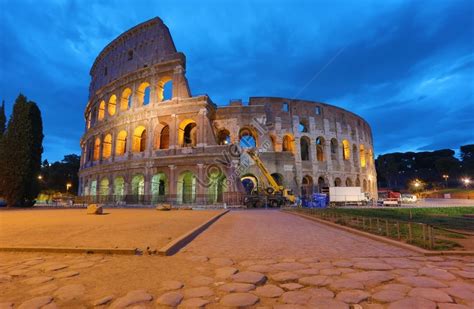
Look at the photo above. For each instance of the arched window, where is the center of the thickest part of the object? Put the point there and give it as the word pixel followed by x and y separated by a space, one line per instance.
pixel 165 137
pixel 186 187
pixel 348 182
pixel 320 148
pixel 303 126
pixel 354 154
pixel 138 188
pixel 334 149
pixel 101 114
pixel 362 155
pixel 159 187
pixel 97 149
pixel 321 183
pixel 247 138
pixel 305 153
pixel 337 182
pixel 346 150
pixel 126 99
pixel 307 185
pixel 143 94
pixel 139 139
pixel 121 146
pixel 250 183
pixel 107 147
pixel 288 143
pixel 187 133
pixel 165 89
pixel 104 187
pixel 223 137
pixel 112 105
pixel 119 189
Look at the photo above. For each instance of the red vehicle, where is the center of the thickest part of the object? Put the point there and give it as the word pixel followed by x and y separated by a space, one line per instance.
pixel 389 198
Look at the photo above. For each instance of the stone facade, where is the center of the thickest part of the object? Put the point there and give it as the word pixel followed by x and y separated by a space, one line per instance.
pixel 147 139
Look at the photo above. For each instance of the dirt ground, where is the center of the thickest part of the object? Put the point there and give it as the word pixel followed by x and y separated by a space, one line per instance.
pixel 121 228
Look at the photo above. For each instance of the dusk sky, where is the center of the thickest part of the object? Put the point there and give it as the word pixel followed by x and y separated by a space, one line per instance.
pixel 407 67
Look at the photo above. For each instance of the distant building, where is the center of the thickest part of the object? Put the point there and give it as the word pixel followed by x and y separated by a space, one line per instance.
pixel 147 139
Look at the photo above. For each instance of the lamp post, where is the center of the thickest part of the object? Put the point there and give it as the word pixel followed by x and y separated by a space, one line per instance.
pixel 68 185
pixel 466 182
pixel 445 176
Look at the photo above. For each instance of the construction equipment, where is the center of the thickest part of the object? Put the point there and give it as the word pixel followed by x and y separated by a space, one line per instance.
pixel 274 195
pixel 340 196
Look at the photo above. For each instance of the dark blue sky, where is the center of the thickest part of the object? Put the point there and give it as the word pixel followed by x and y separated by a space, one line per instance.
pixel 405 66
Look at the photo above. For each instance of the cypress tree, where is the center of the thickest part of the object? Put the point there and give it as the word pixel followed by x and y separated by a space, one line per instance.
pixel 3 119
pixel 21 154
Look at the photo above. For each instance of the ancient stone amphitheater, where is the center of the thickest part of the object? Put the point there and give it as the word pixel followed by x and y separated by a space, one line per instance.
pixel 147 139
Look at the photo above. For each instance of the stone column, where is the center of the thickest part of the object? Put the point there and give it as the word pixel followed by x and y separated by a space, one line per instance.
pixel 202 126
pixel 172 184
pixel 173 139
pixel 201 185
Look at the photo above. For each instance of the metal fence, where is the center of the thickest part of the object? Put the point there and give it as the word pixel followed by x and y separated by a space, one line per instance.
pixel 419 234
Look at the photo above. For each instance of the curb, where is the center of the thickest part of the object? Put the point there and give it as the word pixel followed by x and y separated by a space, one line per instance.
pixel 175 245
pixel 381 238
pixel 122 251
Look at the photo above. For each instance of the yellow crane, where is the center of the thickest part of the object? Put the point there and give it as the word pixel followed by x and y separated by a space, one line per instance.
pixel 275 195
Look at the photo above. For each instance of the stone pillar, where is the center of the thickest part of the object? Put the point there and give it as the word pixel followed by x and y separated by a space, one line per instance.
pixel 180 84
pixel 172 184
pixel 328 154
pixel 201 184
pixel 173 139
pixel 202 128
pixel 134 103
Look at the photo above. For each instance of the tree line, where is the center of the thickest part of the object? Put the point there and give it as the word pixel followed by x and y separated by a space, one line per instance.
pixel 21 147
pixel 438 169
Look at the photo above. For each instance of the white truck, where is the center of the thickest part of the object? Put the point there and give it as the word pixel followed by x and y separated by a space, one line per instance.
pixel 347 196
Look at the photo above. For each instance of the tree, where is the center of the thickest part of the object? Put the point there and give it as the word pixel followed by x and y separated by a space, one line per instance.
pixel 57 175
pixel 3 119
pixel 467 156
pixel 21 151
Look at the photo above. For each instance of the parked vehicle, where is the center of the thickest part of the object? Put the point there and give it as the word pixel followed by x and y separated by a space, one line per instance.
pixel 347 196
pixel 409 198
pixel 389 198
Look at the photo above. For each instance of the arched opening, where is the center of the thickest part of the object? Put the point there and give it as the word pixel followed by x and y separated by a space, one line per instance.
pixel 126 99
pixel 303 126
pixel 143 94
pixel 217 187
pixel 121 146
pixel 138 188
pixel 119 189
pixel 89 116
pixel 278 178
pixel 362 155
pixel 346 150
pixel 93 189
pixel 357 183
pixel 304 148
pixel 321 183
pixel 159 187
pixel 307 186
pixel 272 147
pixel 186 188
pixel 165 137
pixel 247 138
pixel 187 134
pixel 107 146
pixel 97 149
pixel 334 149
pixel 348 182
pixel 223 137
pixel 112 107
pixel 101 114
pixel 250 183
pixel 165 89
pixel 371 158
pixel 364 185
pixel 104 187
pixel 139 139
pixel 320 148
pixel 337 182
pixel 288 143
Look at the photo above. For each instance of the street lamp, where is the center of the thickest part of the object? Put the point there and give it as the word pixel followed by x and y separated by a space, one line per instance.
pixel 466 181
pixel 446 179
pixel 40 177
pixel 68 185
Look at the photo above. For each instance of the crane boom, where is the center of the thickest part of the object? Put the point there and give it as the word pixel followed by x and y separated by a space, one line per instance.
pixel 264 170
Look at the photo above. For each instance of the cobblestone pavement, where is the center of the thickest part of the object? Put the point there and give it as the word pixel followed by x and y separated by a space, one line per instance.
pixel 305 265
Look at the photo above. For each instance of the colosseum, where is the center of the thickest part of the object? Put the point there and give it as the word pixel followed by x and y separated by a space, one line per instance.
pixel 148 139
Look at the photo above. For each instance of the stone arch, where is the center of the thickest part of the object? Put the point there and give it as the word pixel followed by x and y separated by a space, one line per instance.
pixel 303 126
pixel 139 139
pixel 119 189
pixel 354 154
pixel 348 182
pixel 112 106
pixel 93 188
pixel 164 90
pixel 101 113
pixel 104 187
pixel 97 149
pixel 364 185
pixel 159 187
pixel 334 147
pixel 216 187
pixel 321 182
pixel 362 155
pixel 278 178
pixel 304 148
pixel 307 185
pixel 186 187
pixel 187 134
pixel 346 150
pixel 162 136
pixel 126 99
pixel 288 144
pixel 250 183
pixel 121 143
pixel 143 93
pixel 107 146
pixel 320 145
pixel 337 182
pixel 138 188
pixel 248 137
pixel 223 137
pixel 357 182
